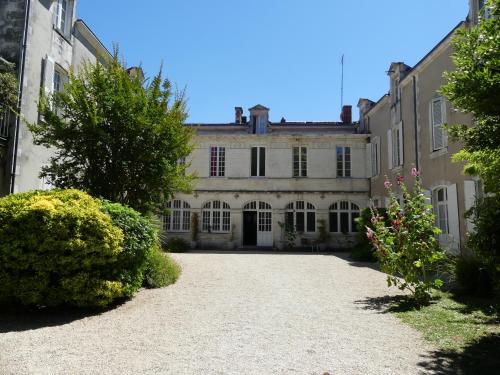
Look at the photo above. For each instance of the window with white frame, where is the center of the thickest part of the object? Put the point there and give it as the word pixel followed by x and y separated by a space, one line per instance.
pixel 437 110
pixel 343 161
pixel 178 217
pixel 375 156
pixel 258 162
pixel 440 198
pixel 217 161
pixel 343 217
pixel 301 216
pixel 300 161
pixel 216 217
pixel 62 7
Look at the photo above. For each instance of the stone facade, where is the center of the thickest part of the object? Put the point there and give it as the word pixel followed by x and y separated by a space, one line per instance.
pixel 55 43
pixel 319 183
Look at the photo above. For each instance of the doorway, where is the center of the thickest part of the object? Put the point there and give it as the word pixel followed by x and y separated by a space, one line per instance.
pixel 249 228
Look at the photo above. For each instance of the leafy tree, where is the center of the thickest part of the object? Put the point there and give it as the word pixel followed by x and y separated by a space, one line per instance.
pixel 407 249
pixel 116 136
pixel 474 87
pixel 8 87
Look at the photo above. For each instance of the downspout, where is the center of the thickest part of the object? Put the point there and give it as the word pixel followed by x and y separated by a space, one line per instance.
pixel 20 98
pixel 415 121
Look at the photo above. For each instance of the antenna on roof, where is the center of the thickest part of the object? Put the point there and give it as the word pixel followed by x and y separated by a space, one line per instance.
pixel 342 83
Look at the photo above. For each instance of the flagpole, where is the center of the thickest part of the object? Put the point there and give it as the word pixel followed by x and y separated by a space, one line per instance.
pixel 342 83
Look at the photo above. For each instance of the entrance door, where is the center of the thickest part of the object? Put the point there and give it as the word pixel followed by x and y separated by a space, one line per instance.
pixel 249 228
pixel 257 224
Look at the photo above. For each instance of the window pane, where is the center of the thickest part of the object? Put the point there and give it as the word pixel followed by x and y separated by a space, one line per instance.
pixel 334 222
pixel 226 221
pixel 216 221
pixel 262 162
pixel 222 161
pixel 299 225
pixel 176 220
pixel 344 222
pixel 289 220
pixel 205 221
pixel 254 162
pixel 296 162
pixel 311 222
pixel 213 161
pixel 186 220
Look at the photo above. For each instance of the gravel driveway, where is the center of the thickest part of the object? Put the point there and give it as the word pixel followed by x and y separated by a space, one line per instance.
pixel 228 314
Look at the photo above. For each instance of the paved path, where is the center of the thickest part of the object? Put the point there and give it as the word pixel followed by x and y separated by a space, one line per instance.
pixel 229 314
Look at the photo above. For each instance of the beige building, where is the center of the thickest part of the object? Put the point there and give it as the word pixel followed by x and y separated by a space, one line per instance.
pixel 255 176
pixel 406 127
pixel 44 39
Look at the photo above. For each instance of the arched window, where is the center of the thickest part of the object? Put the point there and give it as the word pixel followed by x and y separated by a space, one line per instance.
pixel 301 216
pixel 178 218
pixel 441 208
pixel 216 217
pixel 342 217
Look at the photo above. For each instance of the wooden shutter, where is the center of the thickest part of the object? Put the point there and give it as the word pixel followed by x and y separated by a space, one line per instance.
pixel 437 124
pixel 369 161
pixel 469 199
pixel 48 75
pixel 262 161
pixel 254 155
pixel 453 218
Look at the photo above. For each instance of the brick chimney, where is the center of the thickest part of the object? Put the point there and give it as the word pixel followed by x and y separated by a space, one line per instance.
pixel 238 115
pixel 346 115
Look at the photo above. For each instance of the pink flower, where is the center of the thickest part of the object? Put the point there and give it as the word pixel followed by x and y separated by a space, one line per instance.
pixel 369 234
pixel 387 184
pixel 396 224
pixel 414 172
pixel 399 180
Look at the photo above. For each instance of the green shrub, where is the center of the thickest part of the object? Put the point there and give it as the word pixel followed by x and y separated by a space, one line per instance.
pixel 58 247
pixel 473 276
pixel 178 245
pixel 364 251
pixel 139 238
pixel 485 240
pixel 161 270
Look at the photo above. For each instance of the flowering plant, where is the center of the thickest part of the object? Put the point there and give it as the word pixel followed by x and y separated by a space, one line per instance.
pixel 408 249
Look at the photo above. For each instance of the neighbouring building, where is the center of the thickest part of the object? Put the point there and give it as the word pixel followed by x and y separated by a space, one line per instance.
pixel 44 39
pixel 255 176
pixel 406 127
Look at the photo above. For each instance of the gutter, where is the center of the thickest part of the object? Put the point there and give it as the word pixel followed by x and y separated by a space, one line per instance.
pixel 415 120
pixel 20 98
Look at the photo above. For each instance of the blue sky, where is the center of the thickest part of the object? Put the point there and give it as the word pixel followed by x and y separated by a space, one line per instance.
pixel 284 54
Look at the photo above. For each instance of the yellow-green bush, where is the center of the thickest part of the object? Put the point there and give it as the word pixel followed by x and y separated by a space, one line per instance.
pixel 161 269
pixel 58 247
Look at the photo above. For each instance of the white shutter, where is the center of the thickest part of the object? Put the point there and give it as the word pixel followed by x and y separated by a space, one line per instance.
pixel 400 140
pixel 437 123
pixel 470 199
pixel 48 75
pixel 389 148
pixel 369 161
pixel 453 218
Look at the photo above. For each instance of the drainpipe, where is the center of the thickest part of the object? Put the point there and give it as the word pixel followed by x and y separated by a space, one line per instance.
pixel 415 122
pixel 20 98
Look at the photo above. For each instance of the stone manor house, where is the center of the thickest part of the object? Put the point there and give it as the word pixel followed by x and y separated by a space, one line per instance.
pixel 255 175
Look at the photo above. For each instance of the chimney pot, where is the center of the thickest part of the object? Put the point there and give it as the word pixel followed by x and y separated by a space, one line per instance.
pixel 238 115
pixel 346 115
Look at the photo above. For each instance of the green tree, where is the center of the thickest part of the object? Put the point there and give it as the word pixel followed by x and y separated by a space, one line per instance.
pixel 116 136
pixel 8 86
pixel 474 87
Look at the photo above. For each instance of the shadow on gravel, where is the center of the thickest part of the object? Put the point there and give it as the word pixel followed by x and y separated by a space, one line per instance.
pixel 17 319
pixel 386 303
pixel 479 357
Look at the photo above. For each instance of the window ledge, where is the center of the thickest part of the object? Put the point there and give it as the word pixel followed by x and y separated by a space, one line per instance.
pixel 67 38
pixel 438 153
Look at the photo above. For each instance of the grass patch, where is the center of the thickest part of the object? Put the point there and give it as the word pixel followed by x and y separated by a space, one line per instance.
pixel 465 331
